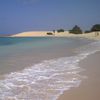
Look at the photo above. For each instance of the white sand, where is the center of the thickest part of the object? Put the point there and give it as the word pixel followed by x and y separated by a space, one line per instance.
pixel 31 34
pixel 91 35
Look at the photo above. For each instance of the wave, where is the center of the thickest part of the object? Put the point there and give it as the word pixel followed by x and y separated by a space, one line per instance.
pixel 46 80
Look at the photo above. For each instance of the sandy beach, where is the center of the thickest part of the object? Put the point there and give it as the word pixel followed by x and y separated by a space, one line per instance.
pixel 28 50
pixel 90 88
pixel 50 50
pixel 91 35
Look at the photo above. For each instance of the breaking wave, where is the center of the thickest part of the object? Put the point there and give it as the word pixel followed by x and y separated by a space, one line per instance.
pixel 46 80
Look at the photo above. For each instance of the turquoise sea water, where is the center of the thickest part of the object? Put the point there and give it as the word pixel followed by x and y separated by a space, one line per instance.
pixel 41 68
pixel 9 46
pixel 17 53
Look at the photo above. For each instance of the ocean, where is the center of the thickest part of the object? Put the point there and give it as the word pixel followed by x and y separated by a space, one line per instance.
pixel 42 68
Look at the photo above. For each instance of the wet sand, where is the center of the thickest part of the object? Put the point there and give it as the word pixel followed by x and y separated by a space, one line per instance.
pixel 90 87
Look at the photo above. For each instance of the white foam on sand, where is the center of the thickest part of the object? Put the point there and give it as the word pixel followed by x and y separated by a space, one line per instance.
pixel 46 80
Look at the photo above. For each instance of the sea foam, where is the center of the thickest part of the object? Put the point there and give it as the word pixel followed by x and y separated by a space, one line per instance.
pixel 43 81
pixel 46 80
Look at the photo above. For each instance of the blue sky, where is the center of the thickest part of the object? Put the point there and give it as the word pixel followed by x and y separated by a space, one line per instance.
pixel 33 15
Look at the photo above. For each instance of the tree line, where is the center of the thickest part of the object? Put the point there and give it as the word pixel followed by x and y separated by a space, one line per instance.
pixel 77 30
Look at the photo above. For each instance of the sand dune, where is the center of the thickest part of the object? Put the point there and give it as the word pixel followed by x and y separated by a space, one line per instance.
pixel 39 33
pixel 30 34
pixel 91 35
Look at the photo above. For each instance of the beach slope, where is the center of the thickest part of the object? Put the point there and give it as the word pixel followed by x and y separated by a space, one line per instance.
pixel 90 88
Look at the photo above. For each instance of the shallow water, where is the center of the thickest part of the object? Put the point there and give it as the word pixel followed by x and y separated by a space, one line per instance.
pixel 48 79
pixel 18 53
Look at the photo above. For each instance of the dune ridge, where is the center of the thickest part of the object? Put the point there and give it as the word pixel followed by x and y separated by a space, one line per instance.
pixel 91 35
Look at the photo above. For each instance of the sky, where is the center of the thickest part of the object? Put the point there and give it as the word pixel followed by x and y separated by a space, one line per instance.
pixel 40 15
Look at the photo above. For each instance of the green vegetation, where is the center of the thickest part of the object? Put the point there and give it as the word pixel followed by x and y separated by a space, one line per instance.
pixel 95 27
pixel 76 30
pixel 49 33
pixel 60 30
pixel 87 31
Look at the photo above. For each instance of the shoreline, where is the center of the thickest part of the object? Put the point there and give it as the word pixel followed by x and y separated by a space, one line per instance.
pixel 89 89
pixel 28 56
pixel 85 90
